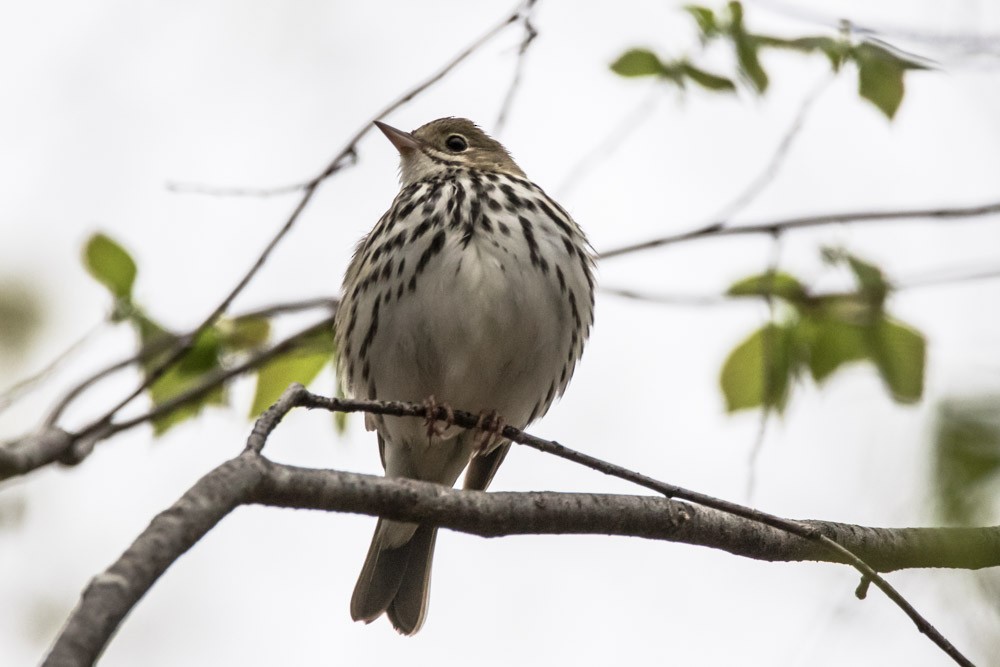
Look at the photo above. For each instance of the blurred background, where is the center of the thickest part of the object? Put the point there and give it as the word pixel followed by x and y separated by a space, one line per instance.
pixel 107 103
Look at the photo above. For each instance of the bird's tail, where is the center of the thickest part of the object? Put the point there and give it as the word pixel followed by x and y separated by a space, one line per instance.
pixel 396 579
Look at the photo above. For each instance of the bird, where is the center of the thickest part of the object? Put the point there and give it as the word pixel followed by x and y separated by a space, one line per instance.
pixel 474 291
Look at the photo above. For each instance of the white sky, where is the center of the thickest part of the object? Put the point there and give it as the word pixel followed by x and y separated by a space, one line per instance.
pixel 104 102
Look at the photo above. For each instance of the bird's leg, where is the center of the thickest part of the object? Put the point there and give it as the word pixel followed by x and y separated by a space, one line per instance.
pixel 490 425
pixel 430 408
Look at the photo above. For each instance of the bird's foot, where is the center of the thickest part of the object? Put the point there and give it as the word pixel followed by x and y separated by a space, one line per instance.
pixel 431 407
pixel 490 425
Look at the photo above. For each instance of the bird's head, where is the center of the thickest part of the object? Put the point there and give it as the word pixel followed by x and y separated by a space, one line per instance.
pixel 447 142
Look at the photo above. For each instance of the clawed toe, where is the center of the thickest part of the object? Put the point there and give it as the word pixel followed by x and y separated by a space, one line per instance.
pixel 430 410
pixel 490 425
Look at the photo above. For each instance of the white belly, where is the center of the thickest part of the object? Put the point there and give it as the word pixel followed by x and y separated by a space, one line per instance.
pixel 475 335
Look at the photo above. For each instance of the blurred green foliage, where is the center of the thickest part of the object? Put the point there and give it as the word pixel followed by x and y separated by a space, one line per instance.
pixel 881 72
pixel 207 357
pixel 816 335
pixel 21 316
pixel 966 460
pixel 300 365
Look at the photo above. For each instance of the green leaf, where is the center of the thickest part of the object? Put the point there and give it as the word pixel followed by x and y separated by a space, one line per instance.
pixel 873 288
pixel 638 62
pixel 188 372
pixel 832 344
pixel 204 353
pixel 758 371
pixel 899 351
pixel 110 265
pixel 836 50
pixel 746 49
pixel 300 365
pixel 881 84
pixel 735 14
pixel 854 308
pixel 779 284
pixel 175 382
pixel 340 418
pixel 705 18
pixel 880 76
pixel 245 333
pixel 746 55
pixel 705 79
pixel 870 277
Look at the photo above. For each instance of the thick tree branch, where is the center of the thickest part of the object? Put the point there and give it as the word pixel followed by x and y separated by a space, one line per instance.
pixel 252 479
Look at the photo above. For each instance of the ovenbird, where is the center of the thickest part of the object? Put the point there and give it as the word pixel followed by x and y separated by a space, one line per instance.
pixel 476 289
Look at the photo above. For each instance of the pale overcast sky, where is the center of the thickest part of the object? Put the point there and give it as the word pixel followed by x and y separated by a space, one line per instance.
pixel 105 102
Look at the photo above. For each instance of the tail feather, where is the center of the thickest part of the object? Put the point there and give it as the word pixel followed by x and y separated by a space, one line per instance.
pixel 396 580
pixel 409 607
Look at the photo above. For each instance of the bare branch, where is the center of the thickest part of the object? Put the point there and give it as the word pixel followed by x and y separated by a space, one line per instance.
pixel 146 352
pixel 614 139
pixel 718 229
pixel 770 170
pixel 111 595
pixel 945 277
pixel 13 393
pixel 939 277
pixel 33 451
pixel 249 478
pixel 321 302
pixel 667 299
pixel 530 33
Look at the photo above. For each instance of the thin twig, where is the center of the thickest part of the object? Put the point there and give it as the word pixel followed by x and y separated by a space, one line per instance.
pixel 718 229
pixel 768 369
pixel 181 187
pixel 213 380
pixel 770 170
pixel 52 444
pixel 158 345
pixel 320 302
pixel 615 138
pixel 349 152
pixel 308 190
pixel 938 277
pixel 675 299
pixel 944 277
pixel 963 43
pixel 23 387
pixel 530 33
pixel 154 347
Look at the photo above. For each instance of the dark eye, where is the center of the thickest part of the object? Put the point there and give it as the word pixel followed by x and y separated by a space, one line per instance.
pixel 456 143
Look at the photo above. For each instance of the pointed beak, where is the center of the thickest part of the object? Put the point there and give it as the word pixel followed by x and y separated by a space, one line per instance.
pixel 403 141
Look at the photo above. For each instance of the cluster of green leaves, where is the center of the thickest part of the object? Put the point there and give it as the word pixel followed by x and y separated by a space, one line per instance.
pixel 880 71
pixel 215 348
pixel 816 335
